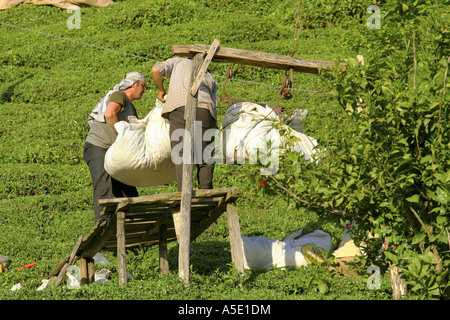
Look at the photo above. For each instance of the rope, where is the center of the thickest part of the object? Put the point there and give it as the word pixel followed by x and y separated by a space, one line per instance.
pixel 140 57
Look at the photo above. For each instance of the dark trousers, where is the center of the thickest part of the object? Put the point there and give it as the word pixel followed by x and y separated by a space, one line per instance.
pixel 204 171
pixel 105 187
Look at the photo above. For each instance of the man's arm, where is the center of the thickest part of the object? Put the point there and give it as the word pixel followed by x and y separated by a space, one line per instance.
pixel 158 79
pixel 111 112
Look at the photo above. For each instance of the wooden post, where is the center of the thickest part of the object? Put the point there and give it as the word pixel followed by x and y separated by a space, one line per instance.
pixel 198 70
pixel 84 272
pixel 186 189
pixel 163 259
pixel 121 252
pixel 91 270
pixel 237 254
pixel 397 283
pixel 201 72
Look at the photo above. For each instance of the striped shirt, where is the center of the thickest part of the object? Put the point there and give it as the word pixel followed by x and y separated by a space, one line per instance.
pixel 179 72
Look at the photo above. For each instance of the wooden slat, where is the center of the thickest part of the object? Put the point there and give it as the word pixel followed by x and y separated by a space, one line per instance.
pixel 73 257
pixel 59 266
pixel 94 244
pixel 171 196
pixel 254 58
pixel 142 227
pixel 163 257
pixel 121 251
pixel 204 67
pixel 237 254
pixel 163 220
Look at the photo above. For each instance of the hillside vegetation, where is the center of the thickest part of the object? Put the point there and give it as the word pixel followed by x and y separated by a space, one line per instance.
pixel 49 85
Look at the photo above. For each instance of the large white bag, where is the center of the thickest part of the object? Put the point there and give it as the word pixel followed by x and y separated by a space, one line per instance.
pixel 264 253
pixel 249 127
pixel 141 154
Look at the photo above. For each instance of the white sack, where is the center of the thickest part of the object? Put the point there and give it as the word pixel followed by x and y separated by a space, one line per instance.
pixel 141 154
pixel 248 127
pixel 347 247
pixel 263 253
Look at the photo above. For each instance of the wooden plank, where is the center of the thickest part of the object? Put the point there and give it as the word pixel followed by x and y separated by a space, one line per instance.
pixel 170 196
pixel 72 259
pixel 163 257
pixel 96 243
pixel 164 219
pixel 176 224
pixel 59 266
pixel 121 251
pixel 255 58
pixel 162 197
pixel 201 72
pixel 237 254
pixel 207 219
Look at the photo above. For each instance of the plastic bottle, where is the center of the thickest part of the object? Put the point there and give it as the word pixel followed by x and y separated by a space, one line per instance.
pixel 4 263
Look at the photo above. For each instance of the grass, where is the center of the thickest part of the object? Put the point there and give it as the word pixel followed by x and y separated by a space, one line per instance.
pixel 48 86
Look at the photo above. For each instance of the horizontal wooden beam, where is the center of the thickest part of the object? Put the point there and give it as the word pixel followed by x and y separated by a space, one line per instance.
pixel 254 58
pixel 171 196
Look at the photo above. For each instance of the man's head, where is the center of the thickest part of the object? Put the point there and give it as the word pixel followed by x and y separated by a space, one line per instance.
pixel 133 84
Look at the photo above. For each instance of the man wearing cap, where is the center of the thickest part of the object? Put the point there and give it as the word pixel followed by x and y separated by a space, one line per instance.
pixel 179 72
pixel 114 107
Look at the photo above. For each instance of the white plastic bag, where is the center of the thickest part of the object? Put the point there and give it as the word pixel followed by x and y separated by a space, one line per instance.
pixel 263 253
pixel 141 154
pixel 73 275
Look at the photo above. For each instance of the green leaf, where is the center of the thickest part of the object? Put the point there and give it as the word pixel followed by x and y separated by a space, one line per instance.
pixel 418 238
pixel 442 220
pixel 359 195
pixel 309 281
pixel 391 256
pixel 323 287
pixel 415 198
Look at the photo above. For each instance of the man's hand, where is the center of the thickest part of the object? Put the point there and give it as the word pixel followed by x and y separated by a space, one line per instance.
pixel 160 95
pixel 158 79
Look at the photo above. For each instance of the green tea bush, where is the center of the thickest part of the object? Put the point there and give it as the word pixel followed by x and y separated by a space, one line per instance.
pixel 388 169
pixel 49 85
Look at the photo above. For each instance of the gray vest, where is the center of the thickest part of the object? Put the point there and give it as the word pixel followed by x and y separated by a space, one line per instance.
pixel 101 134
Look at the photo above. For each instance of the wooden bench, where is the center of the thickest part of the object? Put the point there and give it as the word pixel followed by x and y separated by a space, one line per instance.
pixel 150 220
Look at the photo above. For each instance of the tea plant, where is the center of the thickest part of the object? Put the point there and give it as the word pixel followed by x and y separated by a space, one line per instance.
pixel 388 170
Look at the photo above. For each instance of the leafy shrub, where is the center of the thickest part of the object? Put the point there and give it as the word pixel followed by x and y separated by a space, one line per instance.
pixel 388 170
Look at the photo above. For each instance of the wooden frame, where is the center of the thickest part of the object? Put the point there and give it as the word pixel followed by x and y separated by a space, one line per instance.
pixel 149 220
pixel 254 58
pixel 174 215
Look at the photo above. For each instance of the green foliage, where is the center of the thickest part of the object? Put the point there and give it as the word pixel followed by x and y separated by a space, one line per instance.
pixel 389 169
pixel 320 14
pixel 49 85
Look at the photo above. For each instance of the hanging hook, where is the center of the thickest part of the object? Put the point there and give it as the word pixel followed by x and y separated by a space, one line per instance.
pixel 225 98
pixel 288 84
